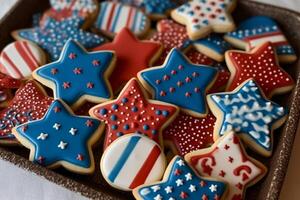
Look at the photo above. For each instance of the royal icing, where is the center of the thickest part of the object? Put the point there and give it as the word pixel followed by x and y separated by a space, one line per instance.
pixel 78 74
pixel 133 112
pixel 203 16
pixel 132 160
pixel 53 35
pixel 129 60
pixel 181 182
pixel 260 29
pixel 80 7
pixel 7 82
pixel 179 82
pixel 198 58
pixel 114 16
pixel 20 58
pixel 187 133
pixel 227 161
pixel 29 103
pixel 261 65
pixel 60 137
pixel 247 112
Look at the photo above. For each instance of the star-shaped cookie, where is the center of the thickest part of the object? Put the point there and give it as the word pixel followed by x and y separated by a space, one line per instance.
pixel 132 55
pixel 78 75
pixel 227 161
pixel 181 182
pixel 247 112
pixel 61 139
pixel 260 64
pixel 29 103
pixel 179 82
pixel 133 112
pixel 201 17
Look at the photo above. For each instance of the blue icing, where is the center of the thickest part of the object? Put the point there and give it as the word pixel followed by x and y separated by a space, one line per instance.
pixel 247 111
pixel 88 79
pixel 180 82
pixel 157 6
pixel 53 35
pixel 56 127
pixel 182 183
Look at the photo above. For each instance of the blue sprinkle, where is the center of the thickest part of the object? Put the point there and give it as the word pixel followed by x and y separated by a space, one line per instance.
pixel 154 132
pixel 115 106
pixel 126 127
pixel 119 134
pixel 158 112
pixel 113 117
pixel 146 127
pixel 165 113
pixel 114 127
pixel 134 109
pixel 103 111
pixel 124 100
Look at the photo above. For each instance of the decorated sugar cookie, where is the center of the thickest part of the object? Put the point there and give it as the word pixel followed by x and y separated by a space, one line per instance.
pixel 187 133
pixel 53 35
pixel 181 182
pixel 131 161
pixel 29 103
pixel 20 58
pixel 260 64
pixel 80 7
pixel 7 83
pixel 260 29
pixel 248 113
pixel 181 83
pixel 114 16
pixel 78 76
pixel 198 58
pixel 130 61
pixel 133 112
pixel 201 17
pixel 61 139
pixel 227 160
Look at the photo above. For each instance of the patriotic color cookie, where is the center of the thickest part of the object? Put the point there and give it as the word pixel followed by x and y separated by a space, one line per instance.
pixel 181 83
pixel 61 139
pixel 227 160
pixel 133 112
pixel 181 182
pixel 131 161
pixel 6 84
pixel 78 76
pixel 78 7
pixel 29 103
pixel 201 17
pixel 260 64
pixel 248 113
pixel 20 58
pixel 114 16
pixel 130 61
pixel 260 29
pixel 187 133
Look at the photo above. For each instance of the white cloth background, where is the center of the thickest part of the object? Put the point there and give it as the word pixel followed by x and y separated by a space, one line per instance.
pixel 17 184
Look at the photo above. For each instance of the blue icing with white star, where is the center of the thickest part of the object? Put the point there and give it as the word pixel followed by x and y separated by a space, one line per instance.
pixel 60 136
pixel 78 73
pixel 53 35
pixel 157 6
pixel 182 183
pixel 181 83
pixel 247 111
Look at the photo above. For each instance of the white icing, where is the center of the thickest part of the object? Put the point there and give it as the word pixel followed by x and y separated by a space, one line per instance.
pixel 42 136
pixel 62 145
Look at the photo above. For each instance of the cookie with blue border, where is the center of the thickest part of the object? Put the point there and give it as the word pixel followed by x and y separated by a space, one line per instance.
pixel 78 75
pixel 247 112
pixel 180 82
pixel 61 139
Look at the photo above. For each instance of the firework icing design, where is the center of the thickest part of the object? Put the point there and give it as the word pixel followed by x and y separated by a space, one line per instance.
pixel 247 112
pixel 78 75
pixel 61 139
pixel 133 112
pixel 181 182
pixel 201 17
pixel 227 161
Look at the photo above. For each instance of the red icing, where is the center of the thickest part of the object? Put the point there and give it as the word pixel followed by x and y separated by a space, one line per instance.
pixel 261 65
pixel 132 56
pixel 238 171
pixel 7 82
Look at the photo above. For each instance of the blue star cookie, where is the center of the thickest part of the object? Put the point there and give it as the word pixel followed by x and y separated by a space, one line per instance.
pixel 157 7
pixel 181 182
pixel 78 75
pixel 61 139
pixel 53 35
pixel 247 112
pixel 181 83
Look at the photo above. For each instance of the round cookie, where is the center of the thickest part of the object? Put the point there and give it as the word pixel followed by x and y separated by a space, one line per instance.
pixel 132 160
pixel 19 59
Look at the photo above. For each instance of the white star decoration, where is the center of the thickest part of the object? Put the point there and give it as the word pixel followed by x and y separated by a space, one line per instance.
pixel 155 188
pixel 213 188
pixel 168 189
pixel 56 126
pixel 158 197
pixel 42 136
pixel 62 145
pixel 179 182
pixel 188 177
pixel 180 162
pixel 192 188
pixel 73 131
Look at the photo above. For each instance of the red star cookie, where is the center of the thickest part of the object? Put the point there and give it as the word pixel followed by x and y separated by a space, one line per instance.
pixel 30 103
pixel 187 133
pixel 132 56
pixel 7 82
pixel 260 64
pixel 133 112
